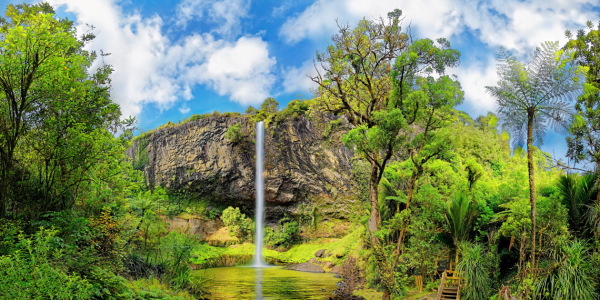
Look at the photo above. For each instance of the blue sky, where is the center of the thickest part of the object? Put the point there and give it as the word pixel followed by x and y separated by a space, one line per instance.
pixel 176 58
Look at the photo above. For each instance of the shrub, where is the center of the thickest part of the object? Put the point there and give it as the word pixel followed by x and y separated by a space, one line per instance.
pixel 239 225
pixel 283 235
pixel 475 268
pixel 177 248
pixel 234 133
pixel 572 275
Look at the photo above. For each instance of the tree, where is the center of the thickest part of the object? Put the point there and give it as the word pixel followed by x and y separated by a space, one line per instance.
pixel 584 142
pixel 382 82
pixel 533 96
pixel 356 82
pixel 54 115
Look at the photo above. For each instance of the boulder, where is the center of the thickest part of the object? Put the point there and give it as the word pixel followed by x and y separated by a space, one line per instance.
pixel 320 253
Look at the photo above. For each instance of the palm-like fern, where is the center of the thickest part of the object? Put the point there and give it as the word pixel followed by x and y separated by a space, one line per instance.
pixel 577 194
pixel 534 96
pixel 460 216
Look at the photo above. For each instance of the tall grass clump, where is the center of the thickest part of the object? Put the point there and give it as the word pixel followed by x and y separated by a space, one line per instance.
pixel 571 275
pixel 474 267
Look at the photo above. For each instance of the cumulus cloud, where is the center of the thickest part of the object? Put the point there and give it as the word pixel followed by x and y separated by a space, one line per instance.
pixel 474 77
pixel 296 79
pixel 184 109
pixel 513 24
pixel 151 68
pixel 241 69
pixel 226 14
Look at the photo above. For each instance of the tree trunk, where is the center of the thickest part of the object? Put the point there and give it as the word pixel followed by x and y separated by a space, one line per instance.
pixel 4 185
pixel 405 222
pixel 530 168
pixel 375 217
pixel 597 231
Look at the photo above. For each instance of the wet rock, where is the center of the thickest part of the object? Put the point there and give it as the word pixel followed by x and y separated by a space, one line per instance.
pixel 306 267
pixel 320 253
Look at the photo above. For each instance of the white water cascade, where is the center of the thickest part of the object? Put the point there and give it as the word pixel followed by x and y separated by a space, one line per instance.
pixel 259 261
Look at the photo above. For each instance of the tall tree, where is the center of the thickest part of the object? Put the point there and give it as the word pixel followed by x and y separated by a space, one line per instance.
pixel 356 82
pixel 533 96
pixel 53 113
pixel 584 142
pixel 383 83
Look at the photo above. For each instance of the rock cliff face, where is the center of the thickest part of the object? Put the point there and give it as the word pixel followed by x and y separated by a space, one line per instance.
pixel 305 161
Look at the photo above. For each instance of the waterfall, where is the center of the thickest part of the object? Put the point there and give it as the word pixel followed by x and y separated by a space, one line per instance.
pixel 260 197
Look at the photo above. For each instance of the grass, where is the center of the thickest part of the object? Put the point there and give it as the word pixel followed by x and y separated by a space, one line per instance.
pixel 337 250
pixel 154 289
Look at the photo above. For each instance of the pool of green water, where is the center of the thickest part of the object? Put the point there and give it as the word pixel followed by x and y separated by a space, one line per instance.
pixel 265 283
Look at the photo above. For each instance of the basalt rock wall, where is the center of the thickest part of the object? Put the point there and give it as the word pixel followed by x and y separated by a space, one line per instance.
pixel 305 162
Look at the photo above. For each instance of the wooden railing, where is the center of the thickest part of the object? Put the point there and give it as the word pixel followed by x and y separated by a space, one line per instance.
pixel 442 286
pixel 449 278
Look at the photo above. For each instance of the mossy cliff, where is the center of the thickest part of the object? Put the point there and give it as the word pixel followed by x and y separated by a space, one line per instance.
pixel 213 158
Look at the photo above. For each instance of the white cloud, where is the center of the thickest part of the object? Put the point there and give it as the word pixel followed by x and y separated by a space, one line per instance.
pixel 151 68
pixel 514 24
pixel 224 13
pixel 241 70
pixel 474 77
pixel 184 109
pixel 297 79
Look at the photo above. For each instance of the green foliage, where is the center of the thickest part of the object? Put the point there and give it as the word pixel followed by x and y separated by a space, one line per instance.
pixel 577 193
pixel 195 117
pixel 175 249
pixel 282 236
pixel 234 134
pixel 140 158
pixel 268 110
pixel 475 267
pixel 239 225
pixel 460 216
pixel 294 109
pixel 155 289
pixel 533 96
pixel 31 271
pixel 584 143
pixel 57 120
pixel 204 253
pixel 571 276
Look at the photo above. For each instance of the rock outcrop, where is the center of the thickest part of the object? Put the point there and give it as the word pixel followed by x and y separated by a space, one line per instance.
pixel 305 161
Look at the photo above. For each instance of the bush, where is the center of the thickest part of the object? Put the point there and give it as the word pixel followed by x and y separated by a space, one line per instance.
pixel 475 268
pixel 283 236
pixel 177 248
pixel 239 225
pixel 234 133
pixel 572 275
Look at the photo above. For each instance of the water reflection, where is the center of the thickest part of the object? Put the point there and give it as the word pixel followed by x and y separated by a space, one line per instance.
pixel 266 283
pixel 258 283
